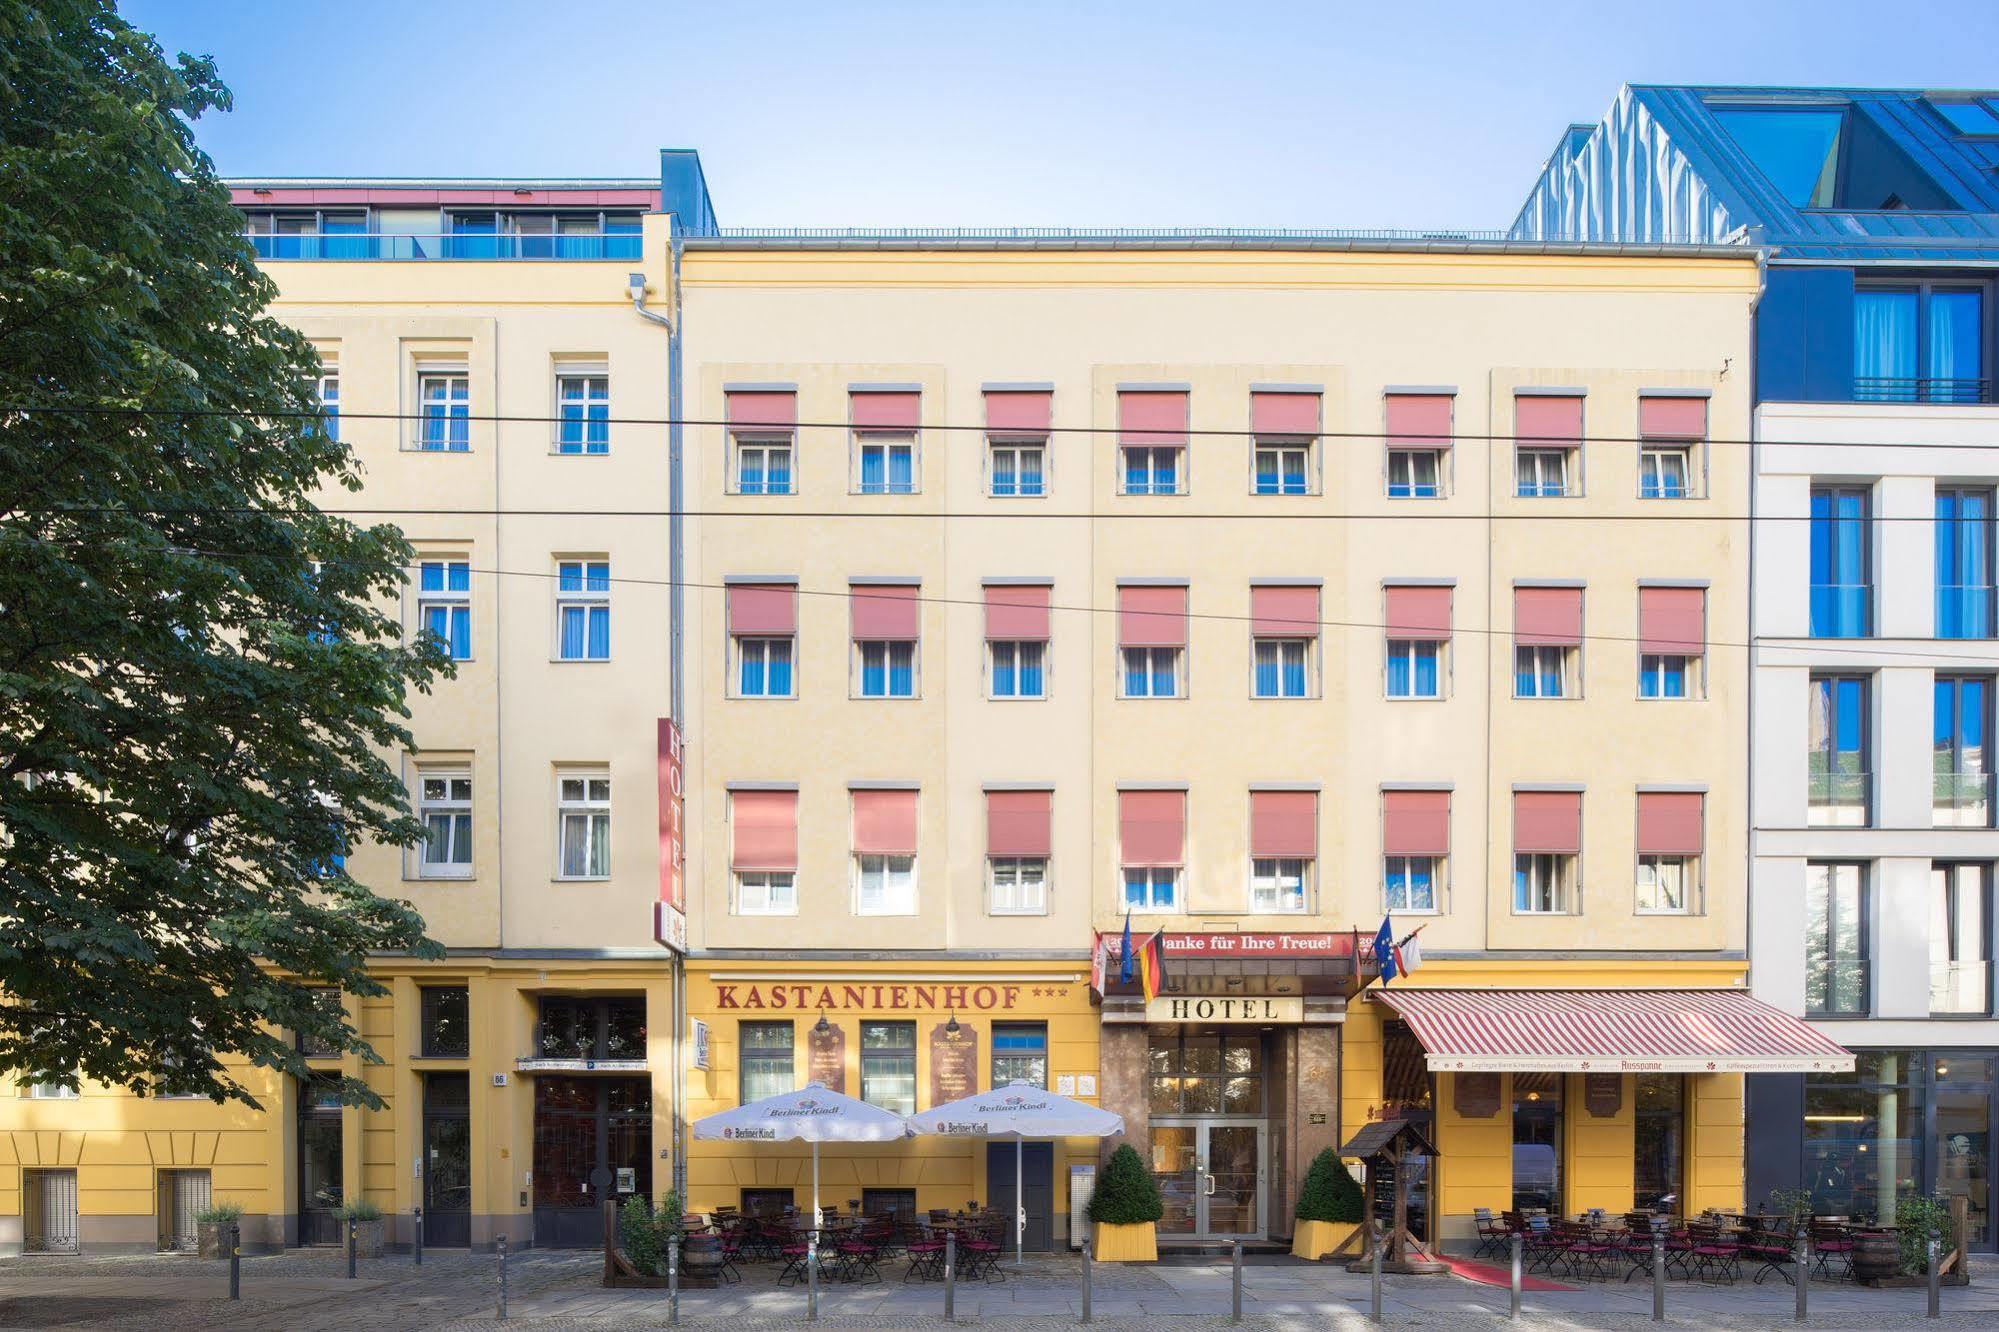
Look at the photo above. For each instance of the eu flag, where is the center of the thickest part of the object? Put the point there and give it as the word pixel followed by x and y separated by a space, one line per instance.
pixel 1127 963
pixel 1384 950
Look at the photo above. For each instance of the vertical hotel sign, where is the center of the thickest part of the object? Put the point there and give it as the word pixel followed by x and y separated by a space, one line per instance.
pixel 670 912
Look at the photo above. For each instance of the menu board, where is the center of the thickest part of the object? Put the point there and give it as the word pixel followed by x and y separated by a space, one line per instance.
pixel 1603 1094
pixel 1475 1095
pixel 826 1057
pixel 954 1063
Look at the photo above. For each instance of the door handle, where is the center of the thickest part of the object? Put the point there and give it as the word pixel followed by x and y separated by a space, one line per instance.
pixel 1211 1186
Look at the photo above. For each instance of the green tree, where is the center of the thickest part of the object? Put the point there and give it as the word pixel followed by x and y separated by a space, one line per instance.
pixel 198 681
pixel 1126 1193
pixel 1329 1191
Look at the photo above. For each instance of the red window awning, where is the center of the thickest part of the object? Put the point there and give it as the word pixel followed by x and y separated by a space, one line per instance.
pixel 1610 1031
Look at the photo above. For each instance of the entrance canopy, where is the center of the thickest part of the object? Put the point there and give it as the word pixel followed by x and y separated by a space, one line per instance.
pixel 1609 1031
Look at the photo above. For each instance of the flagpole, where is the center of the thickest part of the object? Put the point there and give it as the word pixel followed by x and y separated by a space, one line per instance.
pixel 1369 980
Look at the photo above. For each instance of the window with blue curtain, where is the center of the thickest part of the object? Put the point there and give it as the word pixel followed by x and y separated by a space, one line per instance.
pixel 1151 471
pixel 583 609
pixel 446 405
pixel 763 667
pixel 584 414
pixel 888 467
pixel 1017 669
pixel 1410 883
pixel 1841 591
pixel 1662 675
pixel 1921 342
pixel 1962 749
pixel 1836 763
pixel 474 236
pixel 1964 563
pixel 1282 667
pixel 1412 668
pixel 1954 345
pixel 888 669
pixel 621 238
pixel 1884 344
pixel 444 605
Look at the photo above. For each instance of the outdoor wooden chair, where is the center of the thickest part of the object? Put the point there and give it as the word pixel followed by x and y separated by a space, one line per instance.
pixel 1492 1234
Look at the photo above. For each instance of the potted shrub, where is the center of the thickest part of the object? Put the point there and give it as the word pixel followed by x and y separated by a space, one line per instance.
pixel 211 1228
pixel 645 1235
pixel 368 1227
pixel 1330 1207
pixel 1126 1209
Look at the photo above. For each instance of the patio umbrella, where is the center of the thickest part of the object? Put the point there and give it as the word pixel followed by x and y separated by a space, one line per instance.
pixel 1019 1110
pixel 811 1114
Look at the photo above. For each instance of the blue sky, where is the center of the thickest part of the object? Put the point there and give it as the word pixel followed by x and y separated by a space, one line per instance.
pixel 1025 113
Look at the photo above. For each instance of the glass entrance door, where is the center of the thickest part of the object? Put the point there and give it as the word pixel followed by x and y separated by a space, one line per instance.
pixel 1210 1178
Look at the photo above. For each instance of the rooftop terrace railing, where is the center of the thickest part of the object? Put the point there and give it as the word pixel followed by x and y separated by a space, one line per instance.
pixel 457 246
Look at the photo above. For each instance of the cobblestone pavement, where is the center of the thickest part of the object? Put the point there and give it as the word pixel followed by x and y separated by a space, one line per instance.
pixel 308 1292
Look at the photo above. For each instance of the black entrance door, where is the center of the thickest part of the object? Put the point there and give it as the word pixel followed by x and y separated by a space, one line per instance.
pixel 1037 1172
pixel 321 1160
pixel 592 1142
pixel 447 1160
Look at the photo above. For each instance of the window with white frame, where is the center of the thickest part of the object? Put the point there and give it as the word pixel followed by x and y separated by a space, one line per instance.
pixel 1666 884
pixel 1017 885
pixel 1152 887
pixel 1543 473
pixel 1152 469
pixel 1017 668
pixel 1283 467
pixel 763 666
pixel 583 610
pixel 1279 886
pixel 762 465
pixel 885 885
pixel 328 391
pixel 48 1091
pixel 444 803
pixel 1281 668
pixel 1665 470
pixel 886 668
pixel 1017 468
pixel 444 410
pixel 1415 473
pixel 1415 668
pixel 1668 675
pixel 444 604
pixel 884 464
pixel 582 410
pixel 583 826
pixel 1412 883
pixel 1544 672
pixel 766 892
pixel 1543 883
pixel 1151 672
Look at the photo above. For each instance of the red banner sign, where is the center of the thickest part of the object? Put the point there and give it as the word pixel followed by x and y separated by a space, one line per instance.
pixel 1248 945
pixel 670 926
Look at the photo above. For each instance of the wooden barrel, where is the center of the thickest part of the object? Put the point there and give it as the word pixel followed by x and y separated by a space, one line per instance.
pixel 1877 1254
pixel 701 1261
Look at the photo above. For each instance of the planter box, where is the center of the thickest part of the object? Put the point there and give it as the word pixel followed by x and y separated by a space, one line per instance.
pixel 1138 1243
pixel 369 1237
pixel 1317 1239
pixel 211 1240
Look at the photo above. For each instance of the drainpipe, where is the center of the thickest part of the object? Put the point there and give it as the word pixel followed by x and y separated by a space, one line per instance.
pixel 1749 652
pixel 676 611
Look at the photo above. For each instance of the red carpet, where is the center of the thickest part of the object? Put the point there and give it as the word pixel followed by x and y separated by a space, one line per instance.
pixel 1488 1275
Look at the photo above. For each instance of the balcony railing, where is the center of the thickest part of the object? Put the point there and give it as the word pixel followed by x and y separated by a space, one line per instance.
pixel 1963 800
pixel 1886 388
pixel 1842 610
pixel 1964 610
pixel 1838 989
pixel 1839 799
pixel 1960 987
pixel 405 246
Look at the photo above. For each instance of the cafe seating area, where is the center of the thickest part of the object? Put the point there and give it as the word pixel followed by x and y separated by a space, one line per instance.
pixel 857 1247
pixel 1716 1248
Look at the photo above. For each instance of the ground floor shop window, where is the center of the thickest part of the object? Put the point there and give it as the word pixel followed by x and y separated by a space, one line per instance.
pixel 1967 1104
pixel 899 1203
pixel 1658 1140
pixel 1537 1142
pixel 767 1202
pixel 1864 1136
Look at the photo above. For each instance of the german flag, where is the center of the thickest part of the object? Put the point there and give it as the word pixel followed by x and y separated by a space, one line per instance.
pixel 1152 965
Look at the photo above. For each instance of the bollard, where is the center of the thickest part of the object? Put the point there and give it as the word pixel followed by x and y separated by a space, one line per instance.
pixel 235 1260
pixel 1936 1280
pixel 1801 1258
pixel 351 1224
pixel 673 1281
pixel 501 1242
pixel 812 1277
pixel 951 1276
pixel 1374 1304
pixel 1235 1293
pixel 1658 1275
pixel 1086 1281
pixel 1513 1310
pixel 419 1235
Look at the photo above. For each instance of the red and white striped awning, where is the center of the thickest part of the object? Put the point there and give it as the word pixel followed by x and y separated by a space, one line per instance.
pixel 1610 1031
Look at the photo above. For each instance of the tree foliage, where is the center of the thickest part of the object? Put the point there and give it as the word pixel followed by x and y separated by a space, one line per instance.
pixel 1329 1191
pixel 198 679
pixel 1127 1194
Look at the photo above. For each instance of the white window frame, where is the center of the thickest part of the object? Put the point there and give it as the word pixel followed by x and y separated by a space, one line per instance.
pixel 1281 445
pixel 1171 875
pixel 1438 865
pixel 458 394
pixel 450 805
pixel 589 807
pixel 862 646
pixel 887 441
pixel 1179 689
pixel 1023 879
pixel 1412 647
pixel 1283 644
pixel 587 374
pixel 327 389
pixel 904 885
pixel 1692 674
pixel 1439 459
pixel 1571 674
pixel 1539 455
pixel 582 598
pixel 1690 885
pixel 1650 453
pixel 447 598
pixel 740 645
pixel 994 647
pixel 1551 876
pixel 1017 445
pixel 48 1091
pixel 766 442
pixel 1266 885
pixel 766 892
pixel 1152 451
